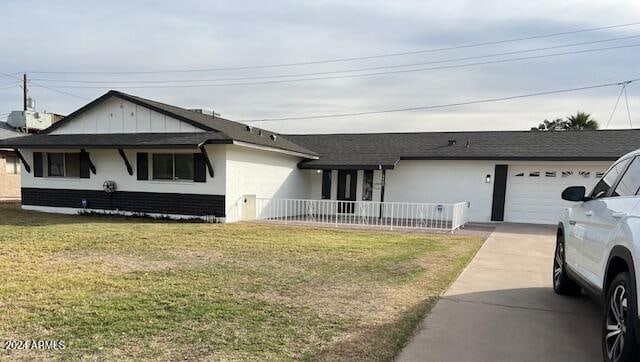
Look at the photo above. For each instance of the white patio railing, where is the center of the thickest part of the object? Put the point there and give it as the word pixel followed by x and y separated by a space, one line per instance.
pixel 429 216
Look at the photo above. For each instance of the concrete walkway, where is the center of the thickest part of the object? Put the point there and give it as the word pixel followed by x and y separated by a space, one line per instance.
pixel 503 308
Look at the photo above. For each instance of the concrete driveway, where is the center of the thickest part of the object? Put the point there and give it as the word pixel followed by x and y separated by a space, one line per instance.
pixel 503 308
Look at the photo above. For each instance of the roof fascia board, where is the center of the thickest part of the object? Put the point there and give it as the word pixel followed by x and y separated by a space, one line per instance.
pixel 513 158
pixel 107 147
pixel 306 166
pixel 274 149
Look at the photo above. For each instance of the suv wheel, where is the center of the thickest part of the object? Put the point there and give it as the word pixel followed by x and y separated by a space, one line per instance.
pixel 562 284
pixel 618 328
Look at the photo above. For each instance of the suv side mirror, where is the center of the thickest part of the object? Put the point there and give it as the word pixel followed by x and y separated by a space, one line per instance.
pixel 574 193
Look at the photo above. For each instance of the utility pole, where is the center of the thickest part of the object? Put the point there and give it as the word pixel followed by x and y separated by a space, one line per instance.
pixel 24 92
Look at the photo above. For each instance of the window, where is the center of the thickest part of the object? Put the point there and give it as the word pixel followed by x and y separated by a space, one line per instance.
pixel 585 174
pixel 169 166
pixel 630 182
pixel 63 165
pixel 183 167
pixel 521 174
pixel 326 184
pixel 602 187
pixel 367 186
pixel 567 173
pixel 55 164
pixel 12 165
pixel 550 174
pixel 163 167
pixel 534 174
pixel 72 165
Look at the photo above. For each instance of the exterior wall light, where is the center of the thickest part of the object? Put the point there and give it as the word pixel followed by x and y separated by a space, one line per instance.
pixel 488 179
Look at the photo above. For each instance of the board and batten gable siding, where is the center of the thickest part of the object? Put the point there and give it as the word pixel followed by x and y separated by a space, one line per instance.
pixel 116 115
pixel 266 174
pixel 110 166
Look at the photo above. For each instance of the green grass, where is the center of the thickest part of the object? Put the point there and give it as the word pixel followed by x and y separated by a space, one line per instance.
pixel 115 289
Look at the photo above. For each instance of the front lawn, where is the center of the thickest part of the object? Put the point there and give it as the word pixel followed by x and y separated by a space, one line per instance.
pixel 113 288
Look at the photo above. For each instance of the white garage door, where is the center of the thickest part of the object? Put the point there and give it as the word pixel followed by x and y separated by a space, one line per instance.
pixel 533 192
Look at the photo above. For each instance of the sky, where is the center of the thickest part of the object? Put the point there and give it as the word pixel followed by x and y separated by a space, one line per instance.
pixel 70 46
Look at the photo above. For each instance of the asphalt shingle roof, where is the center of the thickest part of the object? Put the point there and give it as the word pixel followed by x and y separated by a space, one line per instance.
pixel 374 150
pixel 111 140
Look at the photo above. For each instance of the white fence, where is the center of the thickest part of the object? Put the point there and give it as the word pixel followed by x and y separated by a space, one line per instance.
pixel 442 217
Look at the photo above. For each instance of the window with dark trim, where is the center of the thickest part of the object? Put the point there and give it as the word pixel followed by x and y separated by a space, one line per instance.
pixel 173 166
pixel 326 184
pixel 367 185
pixel 63 164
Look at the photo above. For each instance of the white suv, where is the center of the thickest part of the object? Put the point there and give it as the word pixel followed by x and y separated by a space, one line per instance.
pixel 597 248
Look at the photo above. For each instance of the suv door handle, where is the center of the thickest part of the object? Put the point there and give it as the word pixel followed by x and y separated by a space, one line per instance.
pixel 588 213
pixel 619 215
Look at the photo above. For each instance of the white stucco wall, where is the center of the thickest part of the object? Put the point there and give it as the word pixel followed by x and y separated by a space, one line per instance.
pixel 110 166
pixel 116 115
pixel 443 182
pixel 266 174
pixel 460 181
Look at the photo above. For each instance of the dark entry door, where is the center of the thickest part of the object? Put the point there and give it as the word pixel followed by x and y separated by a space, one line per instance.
pixel 347 180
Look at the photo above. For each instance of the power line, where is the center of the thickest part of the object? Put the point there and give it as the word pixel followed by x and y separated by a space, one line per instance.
pixel 358 75
pixel 332 72
pixel 350 59
pixel 9 75
pixel 9 86
pixel 486 100
pixel 59 91
pixel 615 106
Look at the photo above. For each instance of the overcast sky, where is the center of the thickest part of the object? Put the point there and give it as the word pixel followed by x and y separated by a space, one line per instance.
pixel 129 36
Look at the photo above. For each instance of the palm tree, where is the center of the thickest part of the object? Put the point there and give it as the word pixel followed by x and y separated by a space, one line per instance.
pixel 581 121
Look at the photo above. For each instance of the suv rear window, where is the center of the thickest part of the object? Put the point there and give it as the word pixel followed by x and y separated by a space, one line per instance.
pixel 603 186
pixel 630 182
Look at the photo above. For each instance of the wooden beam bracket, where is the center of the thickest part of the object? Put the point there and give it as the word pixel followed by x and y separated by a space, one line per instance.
pixel 92 167
pixel 206 158
pixel 126 161
pixel 25 165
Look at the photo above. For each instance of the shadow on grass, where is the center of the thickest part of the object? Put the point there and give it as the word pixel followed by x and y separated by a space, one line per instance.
pixel 14 215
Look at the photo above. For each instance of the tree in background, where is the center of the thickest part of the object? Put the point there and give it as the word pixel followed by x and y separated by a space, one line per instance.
pixel 579 121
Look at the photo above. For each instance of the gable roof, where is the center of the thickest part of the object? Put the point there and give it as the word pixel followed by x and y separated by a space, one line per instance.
pixel 384 150
pixel 230 130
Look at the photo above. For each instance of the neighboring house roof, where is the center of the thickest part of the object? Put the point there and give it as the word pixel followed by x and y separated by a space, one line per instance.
pixel 230 130
pixel 6 131
pixel 384 150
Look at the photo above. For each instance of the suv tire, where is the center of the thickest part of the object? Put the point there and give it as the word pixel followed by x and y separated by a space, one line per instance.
pixel 618 327
pixel 562 284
